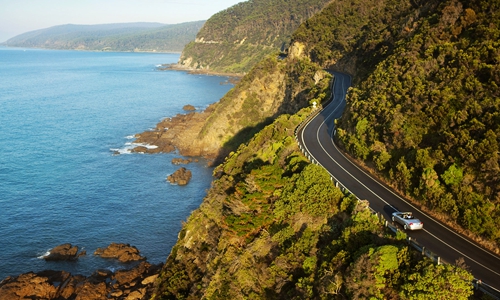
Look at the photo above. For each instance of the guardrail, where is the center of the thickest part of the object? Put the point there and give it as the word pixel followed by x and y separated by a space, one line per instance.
pixel 477 283
pixel 413 243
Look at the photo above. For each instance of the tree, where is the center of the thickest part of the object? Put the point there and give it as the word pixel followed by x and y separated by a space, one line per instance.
pixel 432 281
pixel 367 277
pixel 453 175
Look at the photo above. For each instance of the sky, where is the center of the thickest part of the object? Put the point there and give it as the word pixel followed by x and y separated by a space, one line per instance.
pixel 20 16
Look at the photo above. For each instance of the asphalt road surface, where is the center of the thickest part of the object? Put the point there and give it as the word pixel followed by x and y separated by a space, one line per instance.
pixel 316 138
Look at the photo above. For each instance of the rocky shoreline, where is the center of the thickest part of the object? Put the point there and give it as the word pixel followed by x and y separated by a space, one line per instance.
pixel 165 136
pixel 180 133
pixel 136 282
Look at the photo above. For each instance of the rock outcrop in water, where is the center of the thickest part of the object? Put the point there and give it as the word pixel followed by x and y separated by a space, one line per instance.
pixel 64 252
pixel 183 161
pixel 180 177
pixel 122 252
pixel 189 107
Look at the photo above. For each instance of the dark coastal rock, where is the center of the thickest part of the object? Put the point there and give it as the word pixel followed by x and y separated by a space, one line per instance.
pixel 27 286
pixel 135 283
pixel 188 107
pixel 181 177
pixel 153 138
pixel 139 149
pixel 63 252
pixel 179 161
pixel 170 131
pixel 122 252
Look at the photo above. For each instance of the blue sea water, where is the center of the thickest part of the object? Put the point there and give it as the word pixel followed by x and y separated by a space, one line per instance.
pixel 62 115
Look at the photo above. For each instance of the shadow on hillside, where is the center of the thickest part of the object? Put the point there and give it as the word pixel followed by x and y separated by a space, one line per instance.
pixel 293 101
pixel 245 135
pixel 242 137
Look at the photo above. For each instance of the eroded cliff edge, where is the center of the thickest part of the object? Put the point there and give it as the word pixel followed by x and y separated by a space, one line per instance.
pixel 273 87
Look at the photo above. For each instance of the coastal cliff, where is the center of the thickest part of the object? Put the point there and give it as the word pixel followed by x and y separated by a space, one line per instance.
pixel 273 87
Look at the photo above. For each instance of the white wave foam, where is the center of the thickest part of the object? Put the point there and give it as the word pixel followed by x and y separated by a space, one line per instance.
pixel 124 150
pixel 147 146
pixel 127 149
pixel 47 253
pixel 130 137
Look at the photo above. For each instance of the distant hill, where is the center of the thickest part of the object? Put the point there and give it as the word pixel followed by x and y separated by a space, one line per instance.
pixel 111 37
pixel 235 39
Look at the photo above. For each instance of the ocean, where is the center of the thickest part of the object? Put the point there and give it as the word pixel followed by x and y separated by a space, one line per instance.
pixel 63 114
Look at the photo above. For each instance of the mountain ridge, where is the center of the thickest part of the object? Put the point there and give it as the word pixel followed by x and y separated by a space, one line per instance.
pixel 235 39
pixel 138 36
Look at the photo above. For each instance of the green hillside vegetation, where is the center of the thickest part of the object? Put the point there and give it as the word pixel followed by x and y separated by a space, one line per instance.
pixel 425 110
pixel 235 39
pixel 111 37
pixel 274 226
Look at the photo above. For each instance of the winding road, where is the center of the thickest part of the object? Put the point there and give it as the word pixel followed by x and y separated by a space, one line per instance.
pixel 316 138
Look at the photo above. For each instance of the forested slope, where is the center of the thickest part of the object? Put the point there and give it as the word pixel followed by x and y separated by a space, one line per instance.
pixel 111 37
pixel 425 110
pixel 235 39
pixel 273 226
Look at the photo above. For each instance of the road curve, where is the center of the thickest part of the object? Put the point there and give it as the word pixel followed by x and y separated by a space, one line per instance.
pixel 316 138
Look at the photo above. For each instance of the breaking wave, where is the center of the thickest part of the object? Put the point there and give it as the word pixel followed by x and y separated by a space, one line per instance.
pixel 128 147
pixel 47 253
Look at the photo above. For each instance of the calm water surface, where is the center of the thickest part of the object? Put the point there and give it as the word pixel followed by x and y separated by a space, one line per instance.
pixel 62 116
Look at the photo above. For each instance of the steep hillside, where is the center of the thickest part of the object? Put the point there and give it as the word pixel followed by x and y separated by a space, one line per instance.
pixel 425 110
pixel 111 37
pixel 354 36
pixel 234 40
pixel 274 226
pixel 273 87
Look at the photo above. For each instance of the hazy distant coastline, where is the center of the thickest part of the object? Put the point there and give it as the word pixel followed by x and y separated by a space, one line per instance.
pixel 122 37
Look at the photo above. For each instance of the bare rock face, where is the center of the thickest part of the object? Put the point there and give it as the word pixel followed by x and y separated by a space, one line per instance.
pixel 122 252
pixel 27 286
pixel 181 177
pixel 64 252
pixel 136 283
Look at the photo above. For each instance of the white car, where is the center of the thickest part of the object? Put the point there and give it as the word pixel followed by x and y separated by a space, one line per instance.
pixel 407 220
